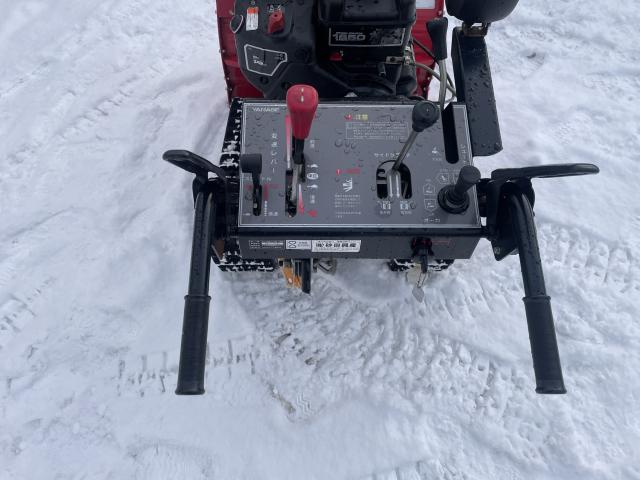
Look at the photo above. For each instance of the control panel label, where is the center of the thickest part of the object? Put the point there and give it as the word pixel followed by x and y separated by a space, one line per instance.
pixel 252 18
pixel 262 60
pixel 298 244
pixel 336 246
pixel 266 244
pixel 377 130
pixel 367 36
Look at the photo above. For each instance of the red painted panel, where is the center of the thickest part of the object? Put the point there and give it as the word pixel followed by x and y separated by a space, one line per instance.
pixel 237 85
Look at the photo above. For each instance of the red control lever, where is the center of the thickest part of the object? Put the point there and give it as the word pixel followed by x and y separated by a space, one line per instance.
pixel 276 22
pixel 302 102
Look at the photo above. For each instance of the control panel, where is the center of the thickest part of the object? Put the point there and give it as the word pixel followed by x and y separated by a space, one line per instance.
pixel 346 178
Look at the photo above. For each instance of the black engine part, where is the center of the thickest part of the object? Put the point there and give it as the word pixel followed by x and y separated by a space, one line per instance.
pixel 480 11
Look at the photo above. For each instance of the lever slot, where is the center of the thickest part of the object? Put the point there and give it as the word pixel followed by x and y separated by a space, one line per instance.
pixel 252 163
pixel 393 184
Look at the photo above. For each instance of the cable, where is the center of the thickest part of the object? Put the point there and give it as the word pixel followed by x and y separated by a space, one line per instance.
pixel 436 75
pixel 430 53
pixel 423 47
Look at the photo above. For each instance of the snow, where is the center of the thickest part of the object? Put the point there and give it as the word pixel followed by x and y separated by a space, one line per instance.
pixel 357 381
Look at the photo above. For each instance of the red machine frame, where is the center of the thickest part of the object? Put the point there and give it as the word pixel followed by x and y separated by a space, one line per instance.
pixel 238 86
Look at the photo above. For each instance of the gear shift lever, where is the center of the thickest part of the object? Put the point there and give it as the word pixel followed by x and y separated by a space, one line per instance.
pixel 423 116
pixel 302 103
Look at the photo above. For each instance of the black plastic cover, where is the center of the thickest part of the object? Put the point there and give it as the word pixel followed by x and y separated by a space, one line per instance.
pixel 480 11
pixel 475 88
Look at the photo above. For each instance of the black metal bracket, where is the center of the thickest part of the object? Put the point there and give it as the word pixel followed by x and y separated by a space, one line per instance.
pixel 492 195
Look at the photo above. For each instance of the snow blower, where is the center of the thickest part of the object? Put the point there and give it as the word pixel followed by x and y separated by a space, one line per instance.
pixel 332 150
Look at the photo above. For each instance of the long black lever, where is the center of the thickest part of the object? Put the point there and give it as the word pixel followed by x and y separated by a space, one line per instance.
pixel 437 29
pixel 537 304
pixel 195 324
pixel 510 192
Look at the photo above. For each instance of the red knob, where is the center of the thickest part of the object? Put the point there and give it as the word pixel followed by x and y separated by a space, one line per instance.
pixel 276 22
pixel 302 102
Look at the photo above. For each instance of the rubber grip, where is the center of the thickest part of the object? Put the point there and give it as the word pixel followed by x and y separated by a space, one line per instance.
pixel 437 29
pixel 544 346
pixel 193 351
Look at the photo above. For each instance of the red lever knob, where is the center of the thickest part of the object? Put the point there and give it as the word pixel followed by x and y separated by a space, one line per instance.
pixel 276 22
pixel 302 102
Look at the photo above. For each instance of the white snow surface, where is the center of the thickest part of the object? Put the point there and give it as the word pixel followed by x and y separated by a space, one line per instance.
pixel 356 381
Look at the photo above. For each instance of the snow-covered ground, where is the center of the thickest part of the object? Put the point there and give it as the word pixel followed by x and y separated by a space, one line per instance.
pixel 358 381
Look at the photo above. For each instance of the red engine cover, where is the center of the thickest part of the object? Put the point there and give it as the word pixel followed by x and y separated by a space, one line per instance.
pixel 237 85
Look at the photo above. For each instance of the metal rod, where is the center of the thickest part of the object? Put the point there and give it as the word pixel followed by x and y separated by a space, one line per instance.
pixel 442 68
pixel 405 150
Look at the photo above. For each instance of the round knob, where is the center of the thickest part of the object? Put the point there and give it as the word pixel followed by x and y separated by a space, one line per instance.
pixel 455 198
pixel 302 102
pixel 424 115
pixel 276 22
pixel 252 163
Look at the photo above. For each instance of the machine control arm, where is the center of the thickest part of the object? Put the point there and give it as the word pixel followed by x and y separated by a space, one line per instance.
pixel 509 197
pixel 193 349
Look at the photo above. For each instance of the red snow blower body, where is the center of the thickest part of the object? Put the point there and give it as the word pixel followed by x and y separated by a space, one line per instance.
pixel 239 87
pixel 332 150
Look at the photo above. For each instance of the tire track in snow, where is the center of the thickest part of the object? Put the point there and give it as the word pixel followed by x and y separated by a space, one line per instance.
pixel 164 460
pixel 306 375
pixel 420 470
pixel 79 44
pixel 154 373
pixel 330 346
pixel 589 260
pixel 17 310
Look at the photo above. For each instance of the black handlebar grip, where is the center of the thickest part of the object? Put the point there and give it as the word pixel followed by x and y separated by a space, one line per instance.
pixel 437 29
pixel 193 350
pixel 544 345
pixel 424 115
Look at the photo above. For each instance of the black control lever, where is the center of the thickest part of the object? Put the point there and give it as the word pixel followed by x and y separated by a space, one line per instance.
pixel 455 198
pixel 437 29
pixel 252 163
pixel 537 304
pixel 195 323
pixel 424 115
pixel 508 198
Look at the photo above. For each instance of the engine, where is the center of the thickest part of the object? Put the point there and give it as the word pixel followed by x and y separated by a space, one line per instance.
pixel 340 47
